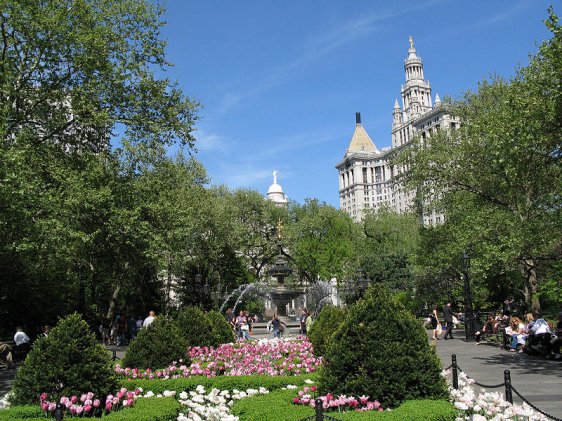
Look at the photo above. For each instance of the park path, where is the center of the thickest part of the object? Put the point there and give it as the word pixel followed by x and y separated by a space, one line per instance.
pixel 538 379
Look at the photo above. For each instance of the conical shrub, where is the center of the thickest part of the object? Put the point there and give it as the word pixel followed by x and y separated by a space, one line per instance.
pixel 195 327
pixel 221 330
pixel 156 346
pixel 67 362
pixel 328 321
pixel 383 352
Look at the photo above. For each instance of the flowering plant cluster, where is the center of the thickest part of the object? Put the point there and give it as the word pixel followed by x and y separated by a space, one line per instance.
pixel 486 405
pixel 267 356
pixel 214 405
pixel 86 405
pixel 306 397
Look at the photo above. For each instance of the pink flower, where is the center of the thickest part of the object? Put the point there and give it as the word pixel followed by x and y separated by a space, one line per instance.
pixel 43 396
pixel 87 408
pixel 108 405
pixel 44 406
pixel 97 403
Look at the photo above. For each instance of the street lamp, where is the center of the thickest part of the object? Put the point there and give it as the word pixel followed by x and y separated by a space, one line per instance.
pixel 469 322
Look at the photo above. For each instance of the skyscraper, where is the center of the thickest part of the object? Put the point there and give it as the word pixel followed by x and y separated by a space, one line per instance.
pixel 367 179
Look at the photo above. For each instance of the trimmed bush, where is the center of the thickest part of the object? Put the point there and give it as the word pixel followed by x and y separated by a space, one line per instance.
pixel 221 330
pixel 221 382
pixel 195 327
pixel 381 351
pixel 26 412
pixel 327 322
pixel 67 362
pixel 156 346
pixel 278 405
pixel 150 409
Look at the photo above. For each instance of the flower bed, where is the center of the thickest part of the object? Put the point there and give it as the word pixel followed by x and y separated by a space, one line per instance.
pixel 307 396
pixel 269 357
pixel 487 405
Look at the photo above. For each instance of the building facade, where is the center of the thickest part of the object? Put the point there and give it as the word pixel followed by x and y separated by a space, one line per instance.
pixel 367 179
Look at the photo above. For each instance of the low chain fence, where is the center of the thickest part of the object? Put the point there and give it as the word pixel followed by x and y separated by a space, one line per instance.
pixel 509 389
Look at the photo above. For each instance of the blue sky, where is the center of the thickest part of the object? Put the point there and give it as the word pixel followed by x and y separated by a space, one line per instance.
pixel 280 81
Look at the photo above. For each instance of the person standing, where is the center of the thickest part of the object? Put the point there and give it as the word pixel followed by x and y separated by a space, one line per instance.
pixel 448 316
pixel 304 316
pixel 22 340
pixel 434 323
pixel 309 322
pixel 149 319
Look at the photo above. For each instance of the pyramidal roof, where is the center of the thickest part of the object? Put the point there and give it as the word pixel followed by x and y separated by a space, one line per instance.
pixel 360 141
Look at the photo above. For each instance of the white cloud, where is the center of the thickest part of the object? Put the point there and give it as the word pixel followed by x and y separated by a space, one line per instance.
pixel 207 142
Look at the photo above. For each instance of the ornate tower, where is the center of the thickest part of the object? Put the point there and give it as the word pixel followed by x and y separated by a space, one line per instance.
pixel 416 92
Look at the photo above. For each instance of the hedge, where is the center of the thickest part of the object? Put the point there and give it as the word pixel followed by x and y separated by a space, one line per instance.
pixel 220 382
pixel 278 406
pixel 149 409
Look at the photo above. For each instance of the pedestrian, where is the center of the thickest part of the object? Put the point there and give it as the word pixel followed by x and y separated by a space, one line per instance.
pixel 309 322
pixel 239 321
pixel 131 328
pixel 6 354
pixel 122 330
pixel 105 331
pixel 276 326
pixel 248 322
pixel 304 316
pixel 448 316
pixel 149 319
pixel 45 331
pixel 434 323
pixel 22 341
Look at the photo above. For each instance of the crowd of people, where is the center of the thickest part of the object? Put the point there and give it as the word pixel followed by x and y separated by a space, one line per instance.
pixel 532 333
pixel 243 323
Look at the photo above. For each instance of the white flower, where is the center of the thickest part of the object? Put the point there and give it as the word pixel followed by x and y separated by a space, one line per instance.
pixel 309 381
pixel 291 386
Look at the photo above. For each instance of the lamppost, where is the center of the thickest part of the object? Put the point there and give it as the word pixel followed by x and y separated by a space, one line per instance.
pixel 469 322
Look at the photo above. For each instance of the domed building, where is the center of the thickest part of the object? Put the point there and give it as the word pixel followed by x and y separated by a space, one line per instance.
pixel 275 193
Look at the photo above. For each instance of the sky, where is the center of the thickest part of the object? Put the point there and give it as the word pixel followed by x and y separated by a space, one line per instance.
pixel 279 82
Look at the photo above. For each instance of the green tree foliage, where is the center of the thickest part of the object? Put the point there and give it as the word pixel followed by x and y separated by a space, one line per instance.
pixel 390 245
pixel 67 362
pixel 195 327
pixel 157 346
pixel 326 323
pixel 221 330
pixel 498 176
pixel 322 241
pixel 381 351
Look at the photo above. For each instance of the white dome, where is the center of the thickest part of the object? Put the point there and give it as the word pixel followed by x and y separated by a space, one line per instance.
pixel 275 188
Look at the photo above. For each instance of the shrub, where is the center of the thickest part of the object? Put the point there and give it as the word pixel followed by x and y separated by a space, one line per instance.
pixel 150 409
pixel 278 405
pixel 220 382
pixel 195 327
pixel 67 362
pixel 381 351
pixel 221 330
pixel 156 346
pixel 327 322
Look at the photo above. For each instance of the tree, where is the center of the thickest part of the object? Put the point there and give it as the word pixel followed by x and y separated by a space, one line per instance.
pixel 72 71
pixel 389 249
pixel 322 241
pixel 498 176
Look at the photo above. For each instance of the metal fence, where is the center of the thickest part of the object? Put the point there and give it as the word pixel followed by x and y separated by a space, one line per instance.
pixel 509 389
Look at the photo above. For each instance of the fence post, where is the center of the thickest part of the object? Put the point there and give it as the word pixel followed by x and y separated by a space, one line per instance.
pixel 455 372
pixel 507 380
pixel 59 412
pixel 318 407
pixel 114 354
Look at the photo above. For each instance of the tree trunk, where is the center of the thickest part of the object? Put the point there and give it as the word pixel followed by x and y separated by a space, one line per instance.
pixel 528 269
pixel 113 300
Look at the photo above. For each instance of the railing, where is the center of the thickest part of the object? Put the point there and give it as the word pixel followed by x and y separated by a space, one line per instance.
pixel 509 389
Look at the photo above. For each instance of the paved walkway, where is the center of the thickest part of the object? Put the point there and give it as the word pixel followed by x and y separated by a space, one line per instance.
pixel 536 378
